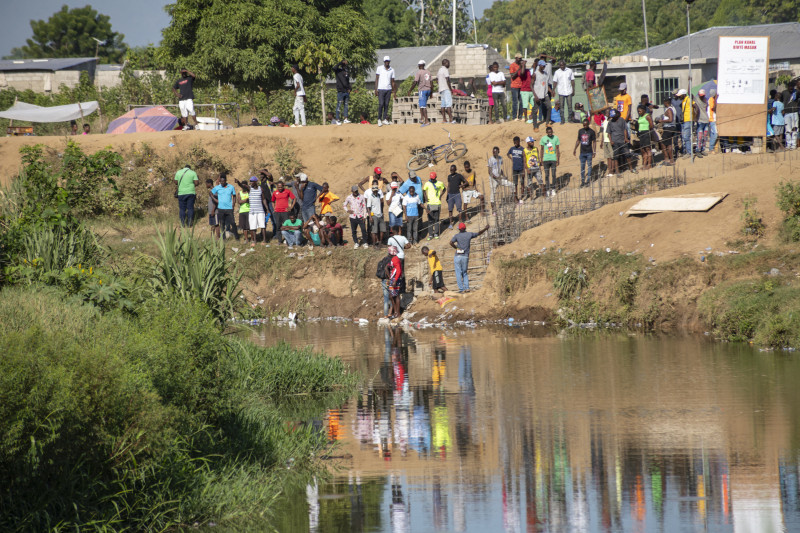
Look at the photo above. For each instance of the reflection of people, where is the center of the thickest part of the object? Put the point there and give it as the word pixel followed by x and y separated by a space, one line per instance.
pixel 401 513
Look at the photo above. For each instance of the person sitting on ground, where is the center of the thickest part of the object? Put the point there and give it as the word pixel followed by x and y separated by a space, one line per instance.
pixel 212 209
pixel 291 231
pixel 312 231
pixel 334 232
pixel 363 119
pixel 73 127
pixel 86 129
pixel 580 113
pixel 435 267
pixel 255 122
pixel 274 121
pixel 394 271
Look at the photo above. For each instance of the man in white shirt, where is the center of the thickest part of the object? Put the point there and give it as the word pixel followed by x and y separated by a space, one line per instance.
pixel 445 92
pixel 385 88
pixel 299 107
pixel 564 80
pixel 498 87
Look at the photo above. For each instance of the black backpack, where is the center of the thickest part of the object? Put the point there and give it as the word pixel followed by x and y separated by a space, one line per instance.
pixel 381 272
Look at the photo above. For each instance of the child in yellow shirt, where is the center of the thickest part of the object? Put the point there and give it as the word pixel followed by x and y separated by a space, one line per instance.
pixel 435 266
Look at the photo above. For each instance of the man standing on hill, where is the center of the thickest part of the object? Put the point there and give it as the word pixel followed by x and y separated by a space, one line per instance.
pixel 433 204
pixel 455 182
pixel 445 91
pixel 422 79
pixel 791 114
pixel 564 80
pixel 283 201
pixel 587 140
pixel 185 183
pixel 514 70
pixel 541 96
pixel 225 194
pixel 308 191
pixel 355 206
pixel 374 200
pixel 183 89
pixel 299 107
pixel 551 158
pixel 385 88
pixel 342 72
pixel 623 102
pixel 461 243
pixel 498 86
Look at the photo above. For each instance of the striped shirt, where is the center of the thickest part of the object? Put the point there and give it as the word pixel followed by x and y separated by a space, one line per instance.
pixel 256 207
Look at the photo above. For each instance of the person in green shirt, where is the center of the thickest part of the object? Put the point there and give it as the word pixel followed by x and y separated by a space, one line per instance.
pixel 551 157
pixel 291 230
pixel 185 183
pixel 244 214
pixel 433 191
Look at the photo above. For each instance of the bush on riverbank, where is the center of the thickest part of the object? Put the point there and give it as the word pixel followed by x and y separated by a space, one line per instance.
pixel 145 421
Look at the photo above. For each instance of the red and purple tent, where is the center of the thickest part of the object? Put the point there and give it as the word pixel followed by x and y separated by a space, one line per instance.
pixel 155 118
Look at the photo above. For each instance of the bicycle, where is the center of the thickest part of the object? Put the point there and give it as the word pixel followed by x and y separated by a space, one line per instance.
pixel 430 155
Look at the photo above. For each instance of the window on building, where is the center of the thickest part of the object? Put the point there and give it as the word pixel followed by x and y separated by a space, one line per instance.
pixel 664 88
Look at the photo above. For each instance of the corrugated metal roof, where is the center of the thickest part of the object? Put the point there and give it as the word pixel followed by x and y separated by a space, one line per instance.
pixel 784 41
pixel 61 63
pixel 405 60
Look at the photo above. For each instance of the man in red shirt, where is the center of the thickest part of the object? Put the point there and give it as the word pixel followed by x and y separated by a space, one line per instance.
pixel 283 200
pixel 516 85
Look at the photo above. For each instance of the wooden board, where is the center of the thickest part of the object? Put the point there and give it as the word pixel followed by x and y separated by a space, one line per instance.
pixel 700 202
pixel 597 99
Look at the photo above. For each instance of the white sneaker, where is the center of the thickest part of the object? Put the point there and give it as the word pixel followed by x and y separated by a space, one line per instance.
pixel 355 247
pixel 380 123
pixel 365 246
pixel 387 122
pixel 293 126
pixel 345 121
pixel 334 122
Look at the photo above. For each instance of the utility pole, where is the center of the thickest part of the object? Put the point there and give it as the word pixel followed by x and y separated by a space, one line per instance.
pixel 454 22
pixel 689 90
pixel 647 48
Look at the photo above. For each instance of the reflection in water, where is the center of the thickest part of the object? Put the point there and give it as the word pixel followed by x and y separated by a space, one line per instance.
pixel 489 431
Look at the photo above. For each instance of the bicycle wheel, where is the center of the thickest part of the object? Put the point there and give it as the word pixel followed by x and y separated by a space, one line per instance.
pixel 457 151
pixel 419 161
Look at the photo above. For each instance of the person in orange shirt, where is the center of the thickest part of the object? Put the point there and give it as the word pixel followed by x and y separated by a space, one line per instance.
pixel 623 102
pixel 326 198
pixel 514 70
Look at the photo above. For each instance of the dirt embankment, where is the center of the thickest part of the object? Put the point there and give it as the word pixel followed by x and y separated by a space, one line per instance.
pixel 664 249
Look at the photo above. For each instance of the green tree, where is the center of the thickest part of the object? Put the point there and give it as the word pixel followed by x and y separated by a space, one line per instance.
pixel 72 33
pixel 250 43
pixel 574 49
pixel 393 22
pixel 436 22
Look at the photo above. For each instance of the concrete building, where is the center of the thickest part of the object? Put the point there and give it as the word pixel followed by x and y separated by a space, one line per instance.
pixel 669 62
pixel 108 76
pixel 467 61
pixel 44 75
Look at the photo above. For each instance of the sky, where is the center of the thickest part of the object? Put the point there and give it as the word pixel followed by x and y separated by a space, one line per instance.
pixel 141 21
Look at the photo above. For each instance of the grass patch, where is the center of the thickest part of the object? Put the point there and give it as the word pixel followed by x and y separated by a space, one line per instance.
pixel 148 421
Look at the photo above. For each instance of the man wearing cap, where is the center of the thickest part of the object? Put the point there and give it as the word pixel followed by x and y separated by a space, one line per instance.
pixel 564 80
pixel 377 174
pixel 434 190
pixel 413 182
pixel 256 210
pixel 384 88
pixel 183 89
pixel 374 200
pixel 461 244
pixel 618 133
pixel 498 85
pixel 299 107
pixel 541 95
pixel 395 200
pixel 422 79
pixel 307 191
pixel 445 91
pixel 623 102
pixel 587 141
pixel 342 73
pixel 355 206
pixel 514 70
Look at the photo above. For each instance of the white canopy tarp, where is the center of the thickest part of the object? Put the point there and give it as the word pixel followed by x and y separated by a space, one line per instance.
pixel 59 113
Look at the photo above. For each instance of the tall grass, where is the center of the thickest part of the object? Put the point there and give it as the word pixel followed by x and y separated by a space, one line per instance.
pixel 149 421
pixel 194 269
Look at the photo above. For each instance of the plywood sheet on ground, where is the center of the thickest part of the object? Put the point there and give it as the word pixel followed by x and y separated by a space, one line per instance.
pixel 684 202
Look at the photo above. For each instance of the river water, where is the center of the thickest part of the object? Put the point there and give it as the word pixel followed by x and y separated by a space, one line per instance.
pixel 519 430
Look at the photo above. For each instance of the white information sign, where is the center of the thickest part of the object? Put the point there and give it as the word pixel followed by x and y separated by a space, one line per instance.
pixel 743 70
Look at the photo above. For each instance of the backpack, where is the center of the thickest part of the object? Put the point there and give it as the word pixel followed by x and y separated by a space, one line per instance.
pixel 382 264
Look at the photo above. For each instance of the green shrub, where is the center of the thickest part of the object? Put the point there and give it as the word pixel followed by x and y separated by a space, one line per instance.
pixel 789 202
pixel 194 269
pixel 752 226
pixel 570 281
pixel 146 422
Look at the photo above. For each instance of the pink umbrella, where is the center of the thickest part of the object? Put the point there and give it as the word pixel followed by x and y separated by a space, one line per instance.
pixel 155 118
